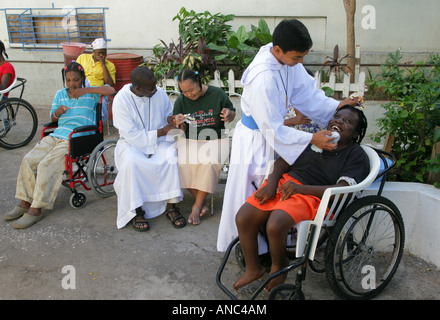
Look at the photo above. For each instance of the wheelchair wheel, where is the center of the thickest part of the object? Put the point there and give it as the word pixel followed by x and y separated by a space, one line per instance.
pixel 365 248
pixel 101 168
pixel 286 291
pixel 18 123
pixel 78 200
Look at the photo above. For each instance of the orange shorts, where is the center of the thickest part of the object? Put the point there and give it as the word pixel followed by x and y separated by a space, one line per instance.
pixel 299 206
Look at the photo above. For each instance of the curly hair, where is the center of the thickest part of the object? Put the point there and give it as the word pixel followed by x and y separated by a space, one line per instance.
pixel 362 124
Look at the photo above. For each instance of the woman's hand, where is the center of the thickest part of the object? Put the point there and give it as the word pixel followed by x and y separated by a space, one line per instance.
pixel 227 115
pixel 288 189
pixel 265 193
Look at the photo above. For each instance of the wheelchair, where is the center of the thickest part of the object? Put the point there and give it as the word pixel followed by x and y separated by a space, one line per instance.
pixel 357 242
pixel 18 119
pixel 90 161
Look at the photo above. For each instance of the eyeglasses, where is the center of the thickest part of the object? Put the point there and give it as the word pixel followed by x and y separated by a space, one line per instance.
pixel 147 92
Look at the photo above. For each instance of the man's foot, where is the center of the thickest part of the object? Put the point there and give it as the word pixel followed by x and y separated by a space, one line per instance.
pixel 176 218
pixel 278 280
pixel 248 277
pixel 140 223
pixel 198 212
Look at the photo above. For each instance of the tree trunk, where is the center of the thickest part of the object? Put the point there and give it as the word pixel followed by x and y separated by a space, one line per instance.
pixel 350 9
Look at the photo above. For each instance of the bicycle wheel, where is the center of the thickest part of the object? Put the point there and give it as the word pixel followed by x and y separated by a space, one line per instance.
pixel 365 249
pixel 18 123
pixel 101 168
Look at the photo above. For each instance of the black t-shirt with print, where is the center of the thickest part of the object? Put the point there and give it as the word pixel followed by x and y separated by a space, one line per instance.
pixel 314 168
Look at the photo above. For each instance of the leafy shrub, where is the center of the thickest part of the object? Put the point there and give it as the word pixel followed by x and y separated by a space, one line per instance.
pixel 413 114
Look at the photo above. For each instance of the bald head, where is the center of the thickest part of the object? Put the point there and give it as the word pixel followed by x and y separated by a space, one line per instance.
pixel 141 75
pixel 143 82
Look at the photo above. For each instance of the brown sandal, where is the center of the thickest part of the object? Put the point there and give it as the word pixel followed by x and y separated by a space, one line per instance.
pixel 177 217
pixel 140 223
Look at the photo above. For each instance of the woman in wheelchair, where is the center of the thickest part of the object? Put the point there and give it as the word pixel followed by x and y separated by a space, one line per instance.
pixel 41 170
pixel 293 193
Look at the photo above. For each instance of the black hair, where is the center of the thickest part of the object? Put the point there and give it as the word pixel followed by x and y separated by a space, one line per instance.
pixel 140 74
pixel 74 66
pixel 3 49
pixel 292 35
pixel 189 74
pixel 362 124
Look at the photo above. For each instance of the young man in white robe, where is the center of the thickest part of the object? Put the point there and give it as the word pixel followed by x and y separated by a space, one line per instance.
pixel 275 82
pixel 147 183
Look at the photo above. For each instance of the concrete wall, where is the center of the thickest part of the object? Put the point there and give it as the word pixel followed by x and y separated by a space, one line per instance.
pixel 136 26
pixel 419 205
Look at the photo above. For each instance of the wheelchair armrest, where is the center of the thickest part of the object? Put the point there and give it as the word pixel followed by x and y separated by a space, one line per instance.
pixel 52 124
pixel 85 128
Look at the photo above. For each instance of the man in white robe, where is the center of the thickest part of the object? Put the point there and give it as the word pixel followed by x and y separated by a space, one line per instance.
pixel 148 180
pixel 273 83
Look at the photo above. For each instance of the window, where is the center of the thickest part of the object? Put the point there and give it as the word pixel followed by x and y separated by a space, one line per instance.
pixel 47 28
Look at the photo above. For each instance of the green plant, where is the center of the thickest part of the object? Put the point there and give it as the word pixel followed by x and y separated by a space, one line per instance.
pixel 210 27
pixel 241 47
pixel 170 59
pixel 335 65
pixel 412 115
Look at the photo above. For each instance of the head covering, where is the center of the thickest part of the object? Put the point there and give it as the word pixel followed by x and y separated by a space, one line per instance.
pixel 99 44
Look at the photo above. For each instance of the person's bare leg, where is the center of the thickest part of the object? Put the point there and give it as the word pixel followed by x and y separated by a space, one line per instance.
pixel 199 207
pixel 248 220
pixel 278 226
pixel 32 211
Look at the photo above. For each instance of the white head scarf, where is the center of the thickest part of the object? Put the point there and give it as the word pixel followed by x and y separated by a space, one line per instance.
pixel 99 44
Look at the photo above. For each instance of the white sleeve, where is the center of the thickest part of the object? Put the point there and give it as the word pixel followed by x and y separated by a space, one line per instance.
pixel 264 101
pixel 309 100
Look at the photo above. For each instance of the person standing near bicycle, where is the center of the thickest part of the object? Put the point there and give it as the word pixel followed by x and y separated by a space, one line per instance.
pixel 7 71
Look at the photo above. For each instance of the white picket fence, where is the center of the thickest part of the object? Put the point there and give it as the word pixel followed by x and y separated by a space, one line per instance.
pixel 346 87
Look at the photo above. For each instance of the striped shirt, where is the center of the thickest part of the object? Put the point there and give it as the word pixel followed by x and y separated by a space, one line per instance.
pixel 81 112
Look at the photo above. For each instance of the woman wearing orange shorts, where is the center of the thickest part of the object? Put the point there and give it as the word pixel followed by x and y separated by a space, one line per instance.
pixel 293 193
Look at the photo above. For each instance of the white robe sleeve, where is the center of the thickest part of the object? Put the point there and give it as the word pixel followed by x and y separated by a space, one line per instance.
pixel 265 102
pixel 311 101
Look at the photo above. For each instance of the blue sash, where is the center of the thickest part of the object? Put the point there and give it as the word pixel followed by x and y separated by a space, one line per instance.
pixel 249 122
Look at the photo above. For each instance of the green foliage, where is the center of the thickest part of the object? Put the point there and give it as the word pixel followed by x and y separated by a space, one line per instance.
pixel 208 44
pixel 412 115
pixel 241 47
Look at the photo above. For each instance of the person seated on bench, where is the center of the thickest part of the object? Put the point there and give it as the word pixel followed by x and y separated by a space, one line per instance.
pixel 293 193
pixel 41 170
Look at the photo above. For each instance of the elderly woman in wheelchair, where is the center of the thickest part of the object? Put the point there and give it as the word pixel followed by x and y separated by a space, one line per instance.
pixel 41 170
pixel 293 193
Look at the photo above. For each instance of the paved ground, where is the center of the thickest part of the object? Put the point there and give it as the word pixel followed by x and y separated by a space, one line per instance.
pixel 164 263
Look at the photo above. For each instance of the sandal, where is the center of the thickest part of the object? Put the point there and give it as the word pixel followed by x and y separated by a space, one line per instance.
pixel 177 217
pixel 140 223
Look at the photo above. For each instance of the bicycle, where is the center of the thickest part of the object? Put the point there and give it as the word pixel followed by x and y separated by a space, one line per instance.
pixel 18 119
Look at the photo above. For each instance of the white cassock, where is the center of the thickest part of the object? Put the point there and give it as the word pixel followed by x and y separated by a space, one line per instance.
pixel 147 165
pixel 266 83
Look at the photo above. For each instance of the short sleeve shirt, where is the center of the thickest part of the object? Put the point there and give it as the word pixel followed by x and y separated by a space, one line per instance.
pixel 93 70
pixel 81 112
pixel 314 168
pixel 205 111
pixel 7 68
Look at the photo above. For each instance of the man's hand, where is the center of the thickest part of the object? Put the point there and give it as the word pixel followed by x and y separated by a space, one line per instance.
pixel 321 140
